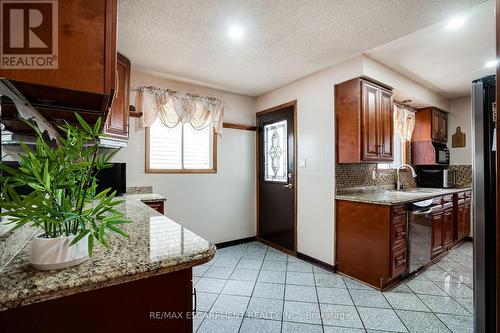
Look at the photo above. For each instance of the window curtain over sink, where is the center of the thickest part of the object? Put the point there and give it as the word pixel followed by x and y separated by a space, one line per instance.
pixel 173 107
pixel 404 121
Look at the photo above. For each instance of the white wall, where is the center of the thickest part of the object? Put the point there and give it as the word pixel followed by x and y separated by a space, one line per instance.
pixel 404 88
pixel 315 135
pixel 460 116
pixel 315 126
pixel 218 207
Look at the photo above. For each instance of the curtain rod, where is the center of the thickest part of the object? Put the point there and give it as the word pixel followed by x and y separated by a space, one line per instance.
pixel 178 91
pixel 404 105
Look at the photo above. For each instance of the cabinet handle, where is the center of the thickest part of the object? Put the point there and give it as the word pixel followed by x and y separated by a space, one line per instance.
pixel 400 261
pixel 400 234
pixel 195 301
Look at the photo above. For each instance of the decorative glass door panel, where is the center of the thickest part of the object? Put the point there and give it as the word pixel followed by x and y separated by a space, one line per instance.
pixel 275 152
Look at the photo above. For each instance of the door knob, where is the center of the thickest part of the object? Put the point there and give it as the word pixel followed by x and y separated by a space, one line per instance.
pixel 288 186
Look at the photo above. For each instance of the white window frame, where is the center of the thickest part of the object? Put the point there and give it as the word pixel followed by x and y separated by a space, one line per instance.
pixel 399 152
pixel 211 169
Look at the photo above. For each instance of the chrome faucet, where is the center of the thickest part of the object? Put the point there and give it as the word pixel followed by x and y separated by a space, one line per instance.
pixel 398 181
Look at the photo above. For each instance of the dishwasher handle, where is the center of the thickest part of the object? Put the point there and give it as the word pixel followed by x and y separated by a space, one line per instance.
pixel 418 212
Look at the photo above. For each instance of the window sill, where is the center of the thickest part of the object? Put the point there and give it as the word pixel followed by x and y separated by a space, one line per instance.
pixel 181 171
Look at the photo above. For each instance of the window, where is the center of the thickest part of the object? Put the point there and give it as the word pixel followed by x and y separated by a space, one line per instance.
pixel 400 155
pixel 181 149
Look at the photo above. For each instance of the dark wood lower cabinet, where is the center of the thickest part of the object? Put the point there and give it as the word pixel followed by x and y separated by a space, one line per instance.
pixel 159 205
pixel 462 202
pixel 162 303
pixel 437 233
pixel 448 227
pixel 442 228
pixel 371 242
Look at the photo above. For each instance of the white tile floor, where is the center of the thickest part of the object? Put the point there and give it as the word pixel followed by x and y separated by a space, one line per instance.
pixel 254 288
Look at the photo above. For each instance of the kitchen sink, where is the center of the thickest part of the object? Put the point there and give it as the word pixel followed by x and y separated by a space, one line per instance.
pixel 411 191
pixel 417 190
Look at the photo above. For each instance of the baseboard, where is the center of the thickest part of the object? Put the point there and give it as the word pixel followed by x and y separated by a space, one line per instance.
pixel 322 264
pixel 235 242
pixel 468 239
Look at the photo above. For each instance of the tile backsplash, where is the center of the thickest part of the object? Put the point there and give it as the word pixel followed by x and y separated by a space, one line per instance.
pixel 463 174
pixel 358 175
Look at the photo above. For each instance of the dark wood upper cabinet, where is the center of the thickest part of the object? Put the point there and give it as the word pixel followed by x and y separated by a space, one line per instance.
pixel 86 48
pixel 364 122
pixel 118 116
pixel 370 122
pixel 386 125
pixel 431 124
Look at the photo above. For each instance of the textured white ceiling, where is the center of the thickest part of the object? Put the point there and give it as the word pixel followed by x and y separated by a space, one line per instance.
pixel 445 61
pixel 284 40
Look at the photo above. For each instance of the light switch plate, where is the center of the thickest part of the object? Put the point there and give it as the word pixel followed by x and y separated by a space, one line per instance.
pixel 302 163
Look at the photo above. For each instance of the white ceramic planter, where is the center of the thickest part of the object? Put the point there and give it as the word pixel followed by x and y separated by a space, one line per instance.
pixel 56 253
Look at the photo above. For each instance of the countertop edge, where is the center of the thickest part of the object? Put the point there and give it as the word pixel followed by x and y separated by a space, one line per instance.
pixel 187 263
pixel 352 197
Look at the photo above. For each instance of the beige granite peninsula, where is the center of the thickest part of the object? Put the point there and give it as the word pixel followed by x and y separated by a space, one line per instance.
pixel 156 246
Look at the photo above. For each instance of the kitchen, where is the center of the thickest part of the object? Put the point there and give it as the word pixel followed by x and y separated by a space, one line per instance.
pixel 263 195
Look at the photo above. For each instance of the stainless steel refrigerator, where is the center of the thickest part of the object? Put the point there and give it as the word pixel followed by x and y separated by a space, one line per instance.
pixel 484 201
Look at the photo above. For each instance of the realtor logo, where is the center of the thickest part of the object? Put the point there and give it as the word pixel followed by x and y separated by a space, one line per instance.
pixel 29 34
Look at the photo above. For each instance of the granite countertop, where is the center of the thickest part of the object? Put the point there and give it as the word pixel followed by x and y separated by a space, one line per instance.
pixel 382 196
pixel 157 245
pixel 146 197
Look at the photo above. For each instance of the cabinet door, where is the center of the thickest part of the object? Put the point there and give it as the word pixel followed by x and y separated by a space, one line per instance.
pixel 461 223
pixel 447 227
pixel 467 218
pixel 370 128
pixel 386 126
pixel 439 126
pixel 437 234
pixel 443 126
pixel 118 116
pixel 86 49
pixel 436 135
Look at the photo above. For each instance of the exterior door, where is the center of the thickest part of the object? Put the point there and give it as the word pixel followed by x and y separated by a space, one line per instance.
pixel 276 177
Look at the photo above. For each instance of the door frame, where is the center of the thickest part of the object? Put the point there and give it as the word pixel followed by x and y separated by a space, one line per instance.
pixel 497 268
pixel 257 178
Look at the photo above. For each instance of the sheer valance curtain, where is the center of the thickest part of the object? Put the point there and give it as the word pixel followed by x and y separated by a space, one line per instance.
pixel 404 121
pixel 174 107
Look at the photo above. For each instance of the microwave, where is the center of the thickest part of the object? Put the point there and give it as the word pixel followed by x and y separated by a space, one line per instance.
pixel 439 178
pixel 442 153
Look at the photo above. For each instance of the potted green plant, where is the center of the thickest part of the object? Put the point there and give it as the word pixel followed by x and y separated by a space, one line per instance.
pixel 64 202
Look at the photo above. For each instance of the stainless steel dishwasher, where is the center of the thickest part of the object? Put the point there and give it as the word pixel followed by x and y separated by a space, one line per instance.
pixel 420 235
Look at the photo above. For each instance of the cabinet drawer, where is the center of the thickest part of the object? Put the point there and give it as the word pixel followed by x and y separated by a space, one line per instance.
pixel 463 195
pixel 398 235
pixel 399 210
pixel 157 205
pixel 448 198
pixel 437 201
pixel 398 261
